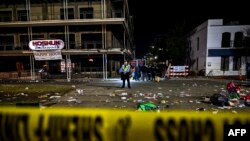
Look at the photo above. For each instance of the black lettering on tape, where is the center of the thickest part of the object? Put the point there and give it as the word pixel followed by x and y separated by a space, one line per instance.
pixel 39 132
pixel 209 130
pixel 76 132
pixel 158 128
pixel 25 120
pixel 121 130
pixel 97 128
pixel 59 128
pixel 183 130
pixel 196 131
pixel 84 128
pixel 171 128
pixel 11 127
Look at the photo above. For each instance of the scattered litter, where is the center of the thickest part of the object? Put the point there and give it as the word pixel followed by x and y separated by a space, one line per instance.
pixel 167 96
pixel 207 99
pixel 198 102
pixel 107 100
pixel 141 94
pixel 194 85
pixel 247 100
pixel 139 100
pixel 163 101
pixel 124 94
pixel 71 100
pixel 42 96
pixel 219 99
pixel 123 98
pixel 54 96
pixel 148 107
pixel 26 88
pixel 43 101
pixel 159 95
pixel 200 109
pixel 118 91
pixel 73 86
pixel 215 112
pixel 235 112
pixel 79 91
pixel 225 107
pixel 191 101
pixel 57 93
pixel 241 105
pixel 111 94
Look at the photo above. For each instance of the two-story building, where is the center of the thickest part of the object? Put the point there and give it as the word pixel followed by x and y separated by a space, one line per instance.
pixel 219 49
pixel 97 36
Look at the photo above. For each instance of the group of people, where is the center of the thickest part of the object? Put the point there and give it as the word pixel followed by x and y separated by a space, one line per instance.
pixel 137 73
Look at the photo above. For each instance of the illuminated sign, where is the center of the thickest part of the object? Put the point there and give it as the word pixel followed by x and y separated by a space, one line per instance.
pixel 46 44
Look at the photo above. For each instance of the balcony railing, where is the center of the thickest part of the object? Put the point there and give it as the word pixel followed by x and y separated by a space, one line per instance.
pixel 58 16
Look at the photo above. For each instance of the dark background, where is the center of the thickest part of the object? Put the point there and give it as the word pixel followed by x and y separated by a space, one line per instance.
pixel 152 18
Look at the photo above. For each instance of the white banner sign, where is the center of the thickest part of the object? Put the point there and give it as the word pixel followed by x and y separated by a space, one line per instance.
pixel 179 68
pixel 46 44
pixel 48 55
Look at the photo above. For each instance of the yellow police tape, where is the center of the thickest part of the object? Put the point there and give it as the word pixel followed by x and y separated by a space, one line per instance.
pixel 28 124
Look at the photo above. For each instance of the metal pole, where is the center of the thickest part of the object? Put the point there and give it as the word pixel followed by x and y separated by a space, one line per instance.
pixel 124 44
pixel 103 56
pixel 66 33
pixel 32 68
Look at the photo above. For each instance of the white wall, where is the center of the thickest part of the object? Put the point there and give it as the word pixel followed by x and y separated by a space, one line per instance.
pixel 210 37
pixel 201 33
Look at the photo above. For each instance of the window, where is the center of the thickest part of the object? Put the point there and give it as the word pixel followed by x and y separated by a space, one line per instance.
pixel 70 13
pixel 86 13
pixel 34 37
pixel 238 38
pixel 58 36
pixel 22 15
pixel 198 43
pixel 225 63
pixel 7 42
pixel 62 37
pixel 236 63
pixel 24 40
pixel 92 40
pixel 5 16
pixel 226 39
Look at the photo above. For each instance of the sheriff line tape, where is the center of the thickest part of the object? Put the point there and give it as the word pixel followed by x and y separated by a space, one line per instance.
pixel 58 124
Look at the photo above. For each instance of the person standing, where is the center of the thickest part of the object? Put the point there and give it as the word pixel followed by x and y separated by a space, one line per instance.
pixel 248 70
pixel 125 72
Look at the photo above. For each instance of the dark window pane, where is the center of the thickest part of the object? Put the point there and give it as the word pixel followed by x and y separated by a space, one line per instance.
pixel 226 40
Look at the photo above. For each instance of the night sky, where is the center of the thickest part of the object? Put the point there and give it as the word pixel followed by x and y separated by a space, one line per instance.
pixel 159 16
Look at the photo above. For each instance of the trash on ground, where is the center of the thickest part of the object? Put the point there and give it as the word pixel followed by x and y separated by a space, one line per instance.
pixel 233 91
pixel 54 96
pixel 148 107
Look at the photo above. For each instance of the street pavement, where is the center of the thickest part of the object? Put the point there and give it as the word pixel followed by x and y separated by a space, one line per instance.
pixel 169 94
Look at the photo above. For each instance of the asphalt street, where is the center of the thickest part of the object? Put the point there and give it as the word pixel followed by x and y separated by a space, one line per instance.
pixel 170 94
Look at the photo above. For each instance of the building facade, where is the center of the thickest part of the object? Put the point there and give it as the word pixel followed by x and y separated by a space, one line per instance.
pixel 97 36
pixel 219 49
